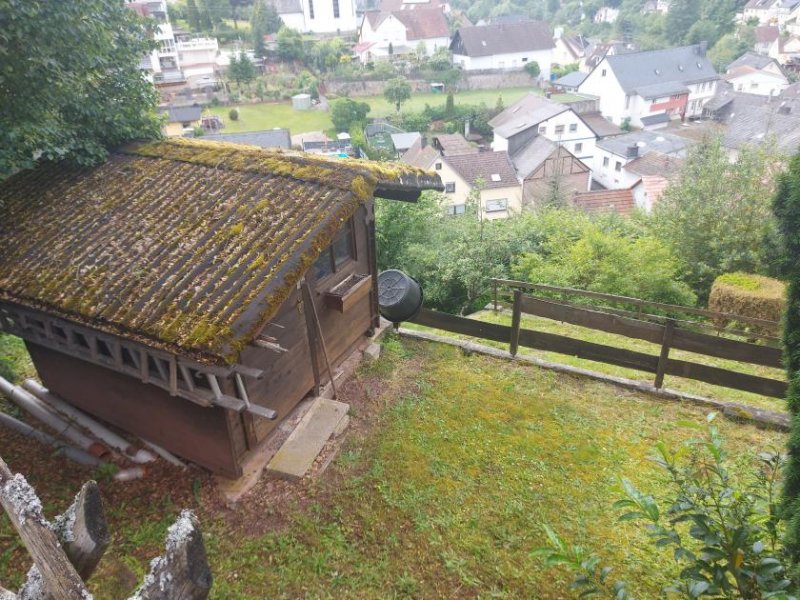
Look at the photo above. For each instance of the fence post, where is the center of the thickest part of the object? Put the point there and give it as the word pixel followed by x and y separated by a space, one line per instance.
pixel 666 342
pixel 516 318
pixel 494 286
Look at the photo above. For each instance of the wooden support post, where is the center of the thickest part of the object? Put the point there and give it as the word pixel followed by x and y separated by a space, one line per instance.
pixel 516 319
pixel 24 509
pixel 494 287
pixel 182 573
pixel 307 297
pixel 311 333
pixel 82 530
pixel 666 342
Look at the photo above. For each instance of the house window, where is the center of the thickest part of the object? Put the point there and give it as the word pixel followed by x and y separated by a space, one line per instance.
pixel 499 205
pixel 524 59
pixel 337 255
pixel 627 101
pixel 543 130
pixel 618 167
pixel 578 147
pixel 573 128
pixel 438 166
pixel 603 73
pixel 605 161
pixel 311 9
pixel 559 129
pixel 335 9
pixel 455 209
pixel 450 187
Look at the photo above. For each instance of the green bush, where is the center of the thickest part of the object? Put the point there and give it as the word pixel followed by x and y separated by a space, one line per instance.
pixel 750 296
pixel 233 114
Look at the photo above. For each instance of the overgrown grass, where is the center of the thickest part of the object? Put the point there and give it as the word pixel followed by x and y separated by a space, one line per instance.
pixel 445 492
pixel 254 117
pixel 599 337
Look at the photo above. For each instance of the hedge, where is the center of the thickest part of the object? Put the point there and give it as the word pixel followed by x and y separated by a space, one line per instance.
pixel 750 296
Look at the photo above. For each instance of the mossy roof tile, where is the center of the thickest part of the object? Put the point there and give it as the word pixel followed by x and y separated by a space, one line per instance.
pixel 187 246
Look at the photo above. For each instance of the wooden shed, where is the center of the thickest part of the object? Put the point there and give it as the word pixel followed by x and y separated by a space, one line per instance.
pixel 182 289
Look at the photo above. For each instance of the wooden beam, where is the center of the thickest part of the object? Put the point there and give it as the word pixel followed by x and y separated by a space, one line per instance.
pixel 311 334
pixel 19 499
pixel 516 319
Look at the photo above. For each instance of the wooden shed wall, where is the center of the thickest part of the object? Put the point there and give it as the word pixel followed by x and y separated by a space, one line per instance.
pixel 194 432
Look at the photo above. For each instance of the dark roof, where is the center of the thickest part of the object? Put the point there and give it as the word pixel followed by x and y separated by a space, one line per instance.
pixel 657 119
pixel 269 138
pixel 641 70
pixel 494 168
pixel 776 122
pixel 601 126
pixel 655 164
pixel 182 114
pixel 184 245
pixel 646 141
pixel 662 89
pixel 751 59
pixel 531 156
pixel 573 79
pixel 453 144
pixel 423 23
pixel 418 156
pixel 502 38
pixel 618 201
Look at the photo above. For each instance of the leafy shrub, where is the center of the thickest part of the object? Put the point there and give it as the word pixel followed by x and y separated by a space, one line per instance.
pixel 725 531
pixel 607 260
pixel 233 114
pixel 749 295
pixel 533 69
pixel 346 112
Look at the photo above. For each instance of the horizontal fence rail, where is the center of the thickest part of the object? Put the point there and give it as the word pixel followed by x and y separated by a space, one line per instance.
pixel 668 334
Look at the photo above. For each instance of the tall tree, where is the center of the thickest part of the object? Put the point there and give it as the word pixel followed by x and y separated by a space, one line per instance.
pixel 193 15
pixel 397 91
pixel 787 211
pixel 264 20
pixel 680 18
pixel 70 80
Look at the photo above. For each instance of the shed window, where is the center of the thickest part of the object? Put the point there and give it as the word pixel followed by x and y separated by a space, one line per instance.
pixel 337 255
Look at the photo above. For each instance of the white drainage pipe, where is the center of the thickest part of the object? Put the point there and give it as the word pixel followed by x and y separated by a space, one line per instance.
pixel 99 430
pixel 38 409
pixel 165 454
pixel 79 456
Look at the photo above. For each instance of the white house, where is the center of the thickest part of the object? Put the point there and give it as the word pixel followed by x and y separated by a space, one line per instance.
pixel 318 16
pixel 775 12
pixel 614 154
pixel 656 6
pixel 533 116
pixel 606 14
pixel 569 49
pixel 163 64
pixel 504 46
pixel 401 32
pixel 765 37
pixel 786 50
pixel 756 74
pixel 500 190
pixel 651 88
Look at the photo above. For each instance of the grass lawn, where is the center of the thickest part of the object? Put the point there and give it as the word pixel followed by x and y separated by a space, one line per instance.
pixel 600 337
pixel 449 469
pixel 253 117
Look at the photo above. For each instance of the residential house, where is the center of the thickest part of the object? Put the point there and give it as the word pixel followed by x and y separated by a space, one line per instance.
pixel 162 64
pixel 318 16
pixel 569 49
pixel 775 123
pixel 197 56
pixel 655 171
pixel 766 35
pixel 756 74
pixel 619 201
pixel 770 12
pixel 493 172
pixel 180 119
pixel 597 52
pixel 614 154
pixel 548 170
pixel 534 115
pixel 651 88
pixel 504 47
pixel 452 144
pixel 422 155
pixel 570 82
pixel 606 14
pixel 655 6
pixel 786 50
pixel 200 339
pixel 268 138
pixel 386 34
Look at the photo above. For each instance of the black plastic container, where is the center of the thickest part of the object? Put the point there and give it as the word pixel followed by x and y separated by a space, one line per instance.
pixel 399 296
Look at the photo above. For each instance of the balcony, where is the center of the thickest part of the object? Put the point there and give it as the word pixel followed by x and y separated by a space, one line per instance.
pixel 198 44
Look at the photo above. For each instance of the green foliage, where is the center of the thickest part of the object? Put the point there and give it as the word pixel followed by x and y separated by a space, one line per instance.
pixel 241 69
pixel 606 259
pixel 233 114
pixel 264 20
pixel 716 215
pixel 533 69
pixel 731 46
pixel 724 531
pixel 787 211
pixel 15 364
pixel 397 91
pixel 345 113
pixel 71 83
pixel 450 105
pixel 290 44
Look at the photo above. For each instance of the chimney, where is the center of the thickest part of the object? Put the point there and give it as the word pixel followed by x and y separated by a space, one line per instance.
pixel 702 48
pixel 632 151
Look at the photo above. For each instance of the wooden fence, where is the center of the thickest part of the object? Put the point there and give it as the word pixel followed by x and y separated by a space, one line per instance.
pixel 667 331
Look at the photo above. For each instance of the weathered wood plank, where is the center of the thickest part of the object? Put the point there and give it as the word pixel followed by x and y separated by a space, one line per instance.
pixel 516 319
pixel 83 531
pixel 726 378
pixel 462 325
pixel 663 359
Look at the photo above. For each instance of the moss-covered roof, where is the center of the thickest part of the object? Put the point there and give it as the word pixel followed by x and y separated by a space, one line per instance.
pixel 188 246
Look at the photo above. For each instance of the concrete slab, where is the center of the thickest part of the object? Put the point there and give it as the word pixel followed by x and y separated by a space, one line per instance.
pixel 304 444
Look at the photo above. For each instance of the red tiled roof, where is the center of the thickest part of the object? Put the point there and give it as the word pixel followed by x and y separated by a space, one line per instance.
pixel 618 201
pixel 423 23
pixel 766 34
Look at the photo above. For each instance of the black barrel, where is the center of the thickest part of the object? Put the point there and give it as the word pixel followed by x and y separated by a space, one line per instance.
pixel 399 296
